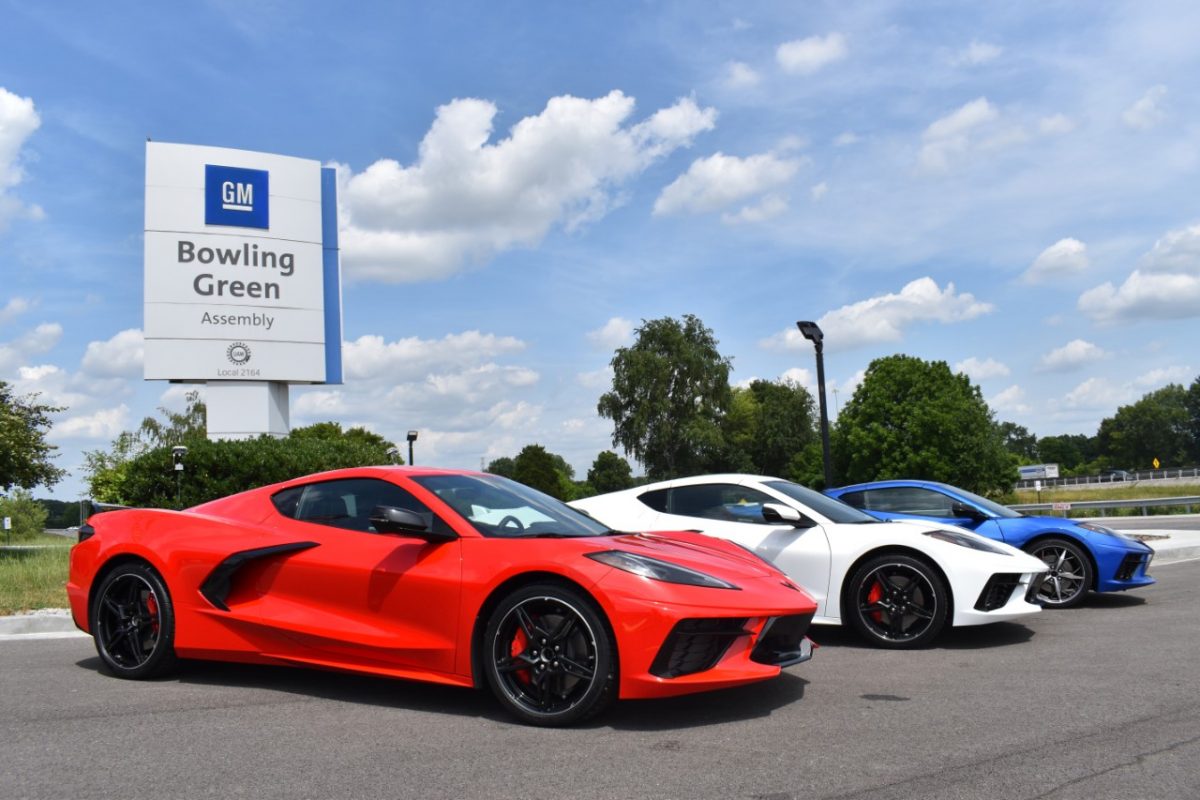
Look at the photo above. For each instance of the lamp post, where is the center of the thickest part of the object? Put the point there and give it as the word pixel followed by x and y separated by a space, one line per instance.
pixel 812 332
pixel 412 437
pixel 177 455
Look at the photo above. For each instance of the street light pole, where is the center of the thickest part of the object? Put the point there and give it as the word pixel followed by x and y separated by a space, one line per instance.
pixel 412 437
pixel 812 332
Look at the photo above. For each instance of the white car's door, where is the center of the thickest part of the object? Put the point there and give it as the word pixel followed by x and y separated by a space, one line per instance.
pixel 734 512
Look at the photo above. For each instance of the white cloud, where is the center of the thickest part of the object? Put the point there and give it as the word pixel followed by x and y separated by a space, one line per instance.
pixel 1147 112
pixel 718 181
pixel 372 358
pixel 617 332
pixel 1055 124
pixel 32 343
pixel 818 190
pixel 885 317
pixel 596 379
pixel 465 199
pixel 769 207
pixel 1097 393
pixel 798 376
pixel 1071 356
pixel 13 309
pixel 1165 284
pixel 1164 375
pixel 846 138
pixel 806 56
pixel 950 137
pixel 1064 257
pixel 1011 400
pixel 977 53
pixel 105 425
pixel 739 75
pixel 121 356
pixel 18 120
pixel 981 370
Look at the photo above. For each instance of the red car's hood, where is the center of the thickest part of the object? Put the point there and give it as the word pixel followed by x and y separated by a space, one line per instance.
pixel 716 557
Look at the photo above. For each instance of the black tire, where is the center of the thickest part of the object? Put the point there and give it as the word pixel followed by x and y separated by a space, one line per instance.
pixel 1071 574
pixel 896 601
pixel 549 657
pixel 133 623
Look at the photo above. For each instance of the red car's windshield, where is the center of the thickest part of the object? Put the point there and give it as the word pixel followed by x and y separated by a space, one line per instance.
pixel 496 506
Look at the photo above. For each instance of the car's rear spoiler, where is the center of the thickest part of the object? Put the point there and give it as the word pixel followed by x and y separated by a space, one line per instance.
pixel 96 507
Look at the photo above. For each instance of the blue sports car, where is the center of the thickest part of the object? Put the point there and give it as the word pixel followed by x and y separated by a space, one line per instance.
pixel 1081 555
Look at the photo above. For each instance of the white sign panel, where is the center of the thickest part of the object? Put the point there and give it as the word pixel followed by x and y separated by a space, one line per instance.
pixel 241 279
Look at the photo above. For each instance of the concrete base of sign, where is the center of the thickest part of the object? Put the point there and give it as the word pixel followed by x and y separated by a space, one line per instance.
pixel 245 409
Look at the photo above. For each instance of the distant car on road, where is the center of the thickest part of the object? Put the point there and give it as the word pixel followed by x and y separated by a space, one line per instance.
pixel 1081 555
pixel 1115 475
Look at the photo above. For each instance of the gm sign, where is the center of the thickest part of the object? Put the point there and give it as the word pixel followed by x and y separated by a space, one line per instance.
pixel 235 196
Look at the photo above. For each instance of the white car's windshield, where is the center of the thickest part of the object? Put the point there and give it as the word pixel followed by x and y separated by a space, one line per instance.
pixel 496 506
pixel 828 507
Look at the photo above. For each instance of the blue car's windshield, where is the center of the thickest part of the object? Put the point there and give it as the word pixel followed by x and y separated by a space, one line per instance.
pixel 831 508
pixel 496 506
pixel 990 506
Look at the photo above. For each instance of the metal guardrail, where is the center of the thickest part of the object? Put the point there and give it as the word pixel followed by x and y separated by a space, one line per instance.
pixel 1138 475
pixel 1103 505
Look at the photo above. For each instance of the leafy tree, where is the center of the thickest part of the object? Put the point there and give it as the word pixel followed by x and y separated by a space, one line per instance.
pixel 609 473
pixel 786 425
pixel 1193 411
pixel 911 418
pixel 1020 442
pixel 538 469
pixel 503 466
pixel 1069 451
pixel 25 455
pixel 670 389
pixel 28 515
pixel 60 513
pixel 1156 426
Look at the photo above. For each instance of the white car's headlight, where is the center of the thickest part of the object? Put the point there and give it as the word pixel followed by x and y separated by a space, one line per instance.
pixel 658 570
pixel 965 540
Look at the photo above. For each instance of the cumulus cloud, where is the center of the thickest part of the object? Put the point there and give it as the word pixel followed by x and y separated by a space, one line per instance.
pixel 739 75
pixel 1098 393
pixel 1011 400
pixel 466 199
pixel 977 53
pixel 719 181
pixel 1056 124
pixel 121 356
pixel 617 332
pixel 1071 356
pixel 951 136
pixel 371 357
pixel 1147 112
pixel 769 207
pixel 105 424
pixel 1164 285
pixel 982 369
pixel 818 190
pixel 846 138
pixel 32 343
pixel 884 318
pixel 806 56
pixel 1064 257
pixel 18 120
pixel 13 309
pixel 1164 375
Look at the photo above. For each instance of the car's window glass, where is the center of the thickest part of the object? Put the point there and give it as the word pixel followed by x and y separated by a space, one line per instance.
pixel 831 508
pixel 726 502
pixel 348 503
pixel 990 506
pixel 910 500
pixel 856 499
pixel 287 501
pixel 656 499
pixel 496 506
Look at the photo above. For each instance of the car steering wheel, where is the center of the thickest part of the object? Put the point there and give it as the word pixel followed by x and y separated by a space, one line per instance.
pixel 515 523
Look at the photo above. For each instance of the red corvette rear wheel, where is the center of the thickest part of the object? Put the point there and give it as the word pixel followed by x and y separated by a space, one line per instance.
pixel 133 622
pixel 549 657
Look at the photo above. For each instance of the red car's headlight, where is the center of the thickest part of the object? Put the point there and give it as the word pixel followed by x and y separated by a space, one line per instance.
pixel 658 570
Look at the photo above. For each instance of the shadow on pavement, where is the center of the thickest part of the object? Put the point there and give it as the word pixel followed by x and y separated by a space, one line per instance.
pixel 707 708
pixel 973 637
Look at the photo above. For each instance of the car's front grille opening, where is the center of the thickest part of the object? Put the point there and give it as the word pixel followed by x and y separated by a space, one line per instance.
pixel 998 591
pixel 695 645
pixel 1129 566
pixel 781 640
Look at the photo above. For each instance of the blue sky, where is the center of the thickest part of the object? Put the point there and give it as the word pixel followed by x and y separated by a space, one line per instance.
pixel 1006 187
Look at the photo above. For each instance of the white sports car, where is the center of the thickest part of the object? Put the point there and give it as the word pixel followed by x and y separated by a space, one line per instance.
pixel 896 583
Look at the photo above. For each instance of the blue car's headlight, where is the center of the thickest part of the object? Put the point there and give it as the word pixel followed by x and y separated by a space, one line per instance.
pixel 1094 528
pixel 658 570
pixel 964 540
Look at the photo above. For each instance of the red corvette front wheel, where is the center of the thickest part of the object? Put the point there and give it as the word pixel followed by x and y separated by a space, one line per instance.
pixel 550 659
pixel 133 622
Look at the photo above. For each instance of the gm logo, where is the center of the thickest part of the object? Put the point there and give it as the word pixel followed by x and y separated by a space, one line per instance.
pixel 235 196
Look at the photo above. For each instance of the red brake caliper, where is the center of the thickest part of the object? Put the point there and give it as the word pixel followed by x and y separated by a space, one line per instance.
pixel 152 609
pixel 873 597
pixel 519 643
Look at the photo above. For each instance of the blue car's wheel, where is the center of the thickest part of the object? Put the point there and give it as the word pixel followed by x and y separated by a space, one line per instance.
pixel 896 601
pixel 1070 574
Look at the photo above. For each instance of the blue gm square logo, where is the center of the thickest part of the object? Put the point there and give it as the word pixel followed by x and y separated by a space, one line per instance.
pixel 236 196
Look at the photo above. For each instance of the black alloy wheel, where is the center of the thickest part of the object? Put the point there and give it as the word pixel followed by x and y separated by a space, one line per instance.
pixel 897 601
pixel 1070 573
pixel 549 656
pixel 133 622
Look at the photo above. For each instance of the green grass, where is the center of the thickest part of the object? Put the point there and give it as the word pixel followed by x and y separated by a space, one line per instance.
pixel 1132 491
pixel 31 579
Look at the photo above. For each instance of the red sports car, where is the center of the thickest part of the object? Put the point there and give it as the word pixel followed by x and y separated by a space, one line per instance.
pixel 437 575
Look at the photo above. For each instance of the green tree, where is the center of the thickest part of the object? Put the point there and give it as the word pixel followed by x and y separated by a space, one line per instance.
pixel 786 425
pixel 28 516
pixel 503 466
pixel 670 390
pixel 538 469
pixel 609 473
pixel 1193 411
pixel 1020 442
pixel 1070 451
pixel 911 418
pixel 25 456
pixel 1156 426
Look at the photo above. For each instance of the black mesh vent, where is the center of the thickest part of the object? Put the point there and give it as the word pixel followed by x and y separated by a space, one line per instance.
pixel 1129 565
pixel 998 591
pixel 779 643
pixel 695 645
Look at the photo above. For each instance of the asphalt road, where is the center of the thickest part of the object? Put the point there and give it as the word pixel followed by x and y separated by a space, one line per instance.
pixel 1098 702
